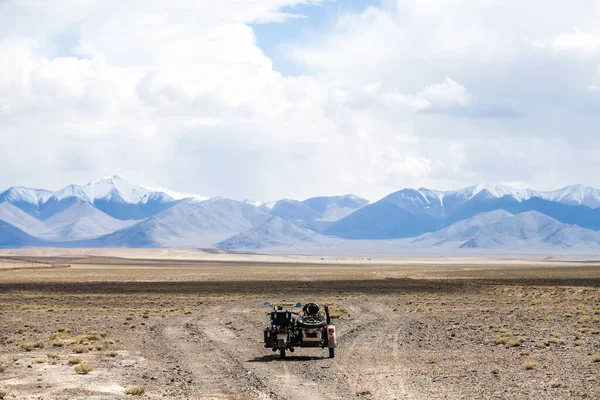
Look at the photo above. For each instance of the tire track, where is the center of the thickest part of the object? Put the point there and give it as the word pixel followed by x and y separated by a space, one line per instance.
pixel 296 377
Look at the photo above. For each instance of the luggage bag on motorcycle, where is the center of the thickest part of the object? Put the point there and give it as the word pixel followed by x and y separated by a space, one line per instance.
pixel 281 318
pixel 269 338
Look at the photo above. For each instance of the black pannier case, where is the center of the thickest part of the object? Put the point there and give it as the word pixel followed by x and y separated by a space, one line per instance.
pixel 269 338
pixel 281 318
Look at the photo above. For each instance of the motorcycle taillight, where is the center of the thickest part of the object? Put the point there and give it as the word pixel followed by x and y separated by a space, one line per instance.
pixel 282 329
pixel 331 330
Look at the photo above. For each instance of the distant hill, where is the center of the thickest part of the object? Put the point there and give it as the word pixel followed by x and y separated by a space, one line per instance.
pixel 275 233
pixel 112 212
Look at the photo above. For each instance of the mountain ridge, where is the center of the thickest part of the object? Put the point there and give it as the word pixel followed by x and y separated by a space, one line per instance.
pixel 113 212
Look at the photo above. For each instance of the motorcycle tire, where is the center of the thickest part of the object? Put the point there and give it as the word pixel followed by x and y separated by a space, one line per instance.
pixel 331 353
pixel 281 353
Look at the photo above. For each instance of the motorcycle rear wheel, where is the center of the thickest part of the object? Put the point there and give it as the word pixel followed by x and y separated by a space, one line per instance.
pixel 331 353
pixel 281 353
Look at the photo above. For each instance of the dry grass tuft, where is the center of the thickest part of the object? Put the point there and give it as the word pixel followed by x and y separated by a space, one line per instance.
pixel 433 360
pixel 136 390
pixel 74 361
pixel 80 349
pixel 530 365
pixel 29 346
pixel 83 368
pixel 596 358
pixel 3 394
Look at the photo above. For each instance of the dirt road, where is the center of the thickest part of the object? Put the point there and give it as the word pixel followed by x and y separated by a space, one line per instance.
pixel 194 331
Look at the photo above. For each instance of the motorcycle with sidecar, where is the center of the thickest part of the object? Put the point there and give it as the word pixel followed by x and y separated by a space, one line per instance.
pixel 307 328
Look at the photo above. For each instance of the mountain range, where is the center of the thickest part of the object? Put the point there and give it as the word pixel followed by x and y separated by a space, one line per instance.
pixel 115 213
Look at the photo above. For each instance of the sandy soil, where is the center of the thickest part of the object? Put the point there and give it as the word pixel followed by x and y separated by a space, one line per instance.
pixel 190 327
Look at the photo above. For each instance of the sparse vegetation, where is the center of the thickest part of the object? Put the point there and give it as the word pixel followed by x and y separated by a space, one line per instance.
pixel 80 349
pixel 433 360
pixel 135 390
pixel 83 368
pixel 530 365
pixel 3 394
pixel 494 327
pixel 29 346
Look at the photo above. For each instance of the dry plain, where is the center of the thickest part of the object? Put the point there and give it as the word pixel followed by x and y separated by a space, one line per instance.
pixel 188 324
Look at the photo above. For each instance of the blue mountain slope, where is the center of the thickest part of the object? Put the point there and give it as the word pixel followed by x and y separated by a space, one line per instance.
pixel 292 210
pixel 26 199
pixel 125 211
pixel 409 213
pixel 335 205
pixel 12 237
pixel 383 220
pixel 582 216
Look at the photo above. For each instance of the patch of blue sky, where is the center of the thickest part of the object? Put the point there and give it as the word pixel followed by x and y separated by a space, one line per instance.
pixel 315 18
pixel 67 44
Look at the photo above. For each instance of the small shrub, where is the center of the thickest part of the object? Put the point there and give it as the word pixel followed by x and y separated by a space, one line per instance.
pixel 80 349
pixel 556 385
pixel 2 369
pixel 596 358
pixel 530 365
pixel 27 346
pixel 74 361
pixel 112 354
pixel 92 337
pixel 433 360
pixel 83 368
pixel 41 360
pixel 136 390
pixel 501 339
pixel 3 394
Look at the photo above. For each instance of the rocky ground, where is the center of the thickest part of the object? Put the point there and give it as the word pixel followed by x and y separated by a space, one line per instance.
pixel 193 330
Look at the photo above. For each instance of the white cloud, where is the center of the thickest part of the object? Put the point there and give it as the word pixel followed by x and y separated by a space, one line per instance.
pixel 180 94
pixel 437 97
pixel 580 42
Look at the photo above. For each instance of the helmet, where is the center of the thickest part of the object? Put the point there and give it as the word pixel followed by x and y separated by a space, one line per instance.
pixel 311 308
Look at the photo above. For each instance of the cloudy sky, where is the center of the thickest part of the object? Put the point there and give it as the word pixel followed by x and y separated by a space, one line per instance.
pixel 267 99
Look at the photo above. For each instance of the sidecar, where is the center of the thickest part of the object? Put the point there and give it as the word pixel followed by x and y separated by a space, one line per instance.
pixel 308 328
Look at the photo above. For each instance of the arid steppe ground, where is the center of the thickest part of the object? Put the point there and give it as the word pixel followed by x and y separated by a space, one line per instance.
pixel 188 325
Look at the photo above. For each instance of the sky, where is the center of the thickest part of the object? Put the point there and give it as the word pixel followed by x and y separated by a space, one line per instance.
pixel 269 99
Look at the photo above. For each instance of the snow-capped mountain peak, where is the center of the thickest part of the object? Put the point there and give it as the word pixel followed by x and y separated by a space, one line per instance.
pixel 71 191
pixel 27 195
pixel 117 189
pixel 497 191
pixel 575 195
